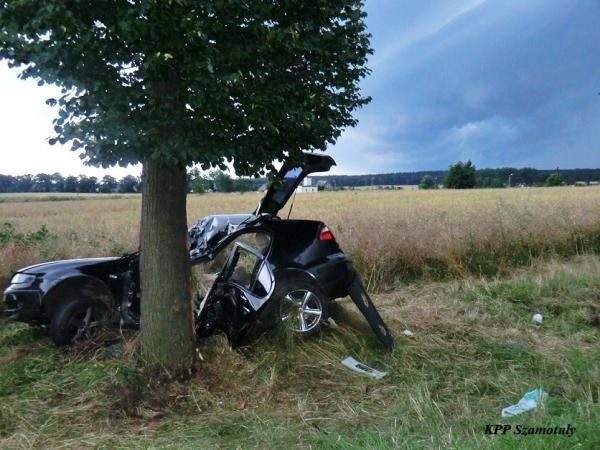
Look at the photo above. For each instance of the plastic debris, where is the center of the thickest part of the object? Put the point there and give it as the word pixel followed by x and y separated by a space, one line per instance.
pixel 529 401
pixel 408 333
pixel 361 368
pixel 537 318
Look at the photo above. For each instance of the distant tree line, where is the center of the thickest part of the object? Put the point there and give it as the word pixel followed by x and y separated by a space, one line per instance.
pixel 463 175
pixel 43 182
pixel 484 178
pixel 214 181
pixel 219 181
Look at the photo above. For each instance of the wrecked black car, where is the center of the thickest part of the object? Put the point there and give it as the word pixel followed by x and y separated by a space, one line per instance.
pixel 267 270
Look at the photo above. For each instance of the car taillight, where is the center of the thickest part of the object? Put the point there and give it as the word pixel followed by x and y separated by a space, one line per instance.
pixel 326 234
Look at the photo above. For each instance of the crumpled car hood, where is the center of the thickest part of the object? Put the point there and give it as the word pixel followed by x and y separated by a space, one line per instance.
pixel 206 234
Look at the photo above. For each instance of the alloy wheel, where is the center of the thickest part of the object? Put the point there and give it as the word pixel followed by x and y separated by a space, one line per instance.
pixel 84 325
pixel 302 310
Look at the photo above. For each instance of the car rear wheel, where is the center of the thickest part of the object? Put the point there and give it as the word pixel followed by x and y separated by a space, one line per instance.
pixel 302 305
pixel 77 320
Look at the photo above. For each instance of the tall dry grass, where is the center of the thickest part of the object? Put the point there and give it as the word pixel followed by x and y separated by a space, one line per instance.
pixel 420 234
pixel 474 350
pixel 391 235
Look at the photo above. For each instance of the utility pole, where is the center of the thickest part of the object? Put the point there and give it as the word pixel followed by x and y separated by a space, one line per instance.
pixel 509 177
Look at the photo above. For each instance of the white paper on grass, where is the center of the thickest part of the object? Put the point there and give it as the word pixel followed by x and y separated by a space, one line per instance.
pixel 361 368
pixel 528 402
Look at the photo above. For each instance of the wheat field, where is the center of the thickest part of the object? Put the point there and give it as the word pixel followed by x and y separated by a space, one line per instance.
pixel 393 236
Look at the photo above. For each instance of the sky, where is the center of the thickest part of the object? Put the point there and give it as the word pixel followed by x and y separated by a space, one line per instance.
pixel 500 82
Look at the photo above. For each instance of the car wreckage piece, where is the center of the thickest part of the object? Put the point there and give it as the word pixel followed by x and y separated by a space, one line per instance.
pixel 275 270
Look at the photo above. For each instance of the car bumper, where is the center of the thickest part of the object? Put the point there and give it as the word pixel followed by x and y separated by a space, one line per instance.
pixel 23 305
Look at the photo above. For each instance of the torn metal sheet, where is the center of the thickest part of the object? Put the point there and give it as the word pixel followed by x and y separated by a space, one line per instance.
pixel 361 368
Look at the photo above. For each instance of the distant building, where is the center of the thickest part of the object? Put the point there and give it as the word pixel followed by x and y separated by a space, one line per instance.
pixel 307 186
pixel 306 189
pixel 324 185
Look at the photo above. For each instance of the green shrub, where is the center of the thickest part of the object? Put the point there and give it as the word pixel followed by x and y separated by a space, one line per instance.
pixel 9 234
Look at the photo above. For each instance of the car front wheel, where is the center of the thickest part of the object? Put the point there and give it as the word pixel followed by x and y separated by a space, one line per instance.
pixel 77 320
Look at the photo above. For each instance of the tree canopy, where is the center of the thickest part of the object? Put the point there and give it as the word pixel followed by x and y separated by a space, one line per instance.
pixel 427 182
pixel 461 176
pixel 554 180
pixel 43 182
pixel 188 81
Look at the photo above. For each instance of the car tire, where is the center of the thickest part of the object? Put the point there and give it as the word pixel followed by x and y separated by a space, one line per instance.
pixel 300 304
pixel 77 320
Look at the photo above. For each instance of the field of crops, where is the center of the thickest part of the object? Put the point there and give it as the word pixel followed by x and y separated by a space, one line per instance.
pixel 393 236
pixel 462 270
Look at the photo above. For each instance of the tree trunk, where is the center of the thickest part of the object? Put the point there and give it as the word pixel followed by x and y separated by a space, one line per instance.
pixel 167 334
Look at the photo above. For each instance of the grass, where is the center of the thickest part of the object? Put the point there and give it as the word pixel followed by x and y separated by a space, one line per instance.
pixel 57 197
pixel 474 351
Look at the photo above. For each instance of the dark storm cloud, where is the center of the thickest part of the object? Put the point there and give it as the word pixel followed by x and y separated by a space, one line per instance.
pixel 504 83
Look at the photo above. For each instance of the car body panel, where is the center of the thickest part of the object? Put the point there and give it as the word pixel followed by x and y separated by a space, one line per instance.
pixel 67 264
pixel 207 233
pixel 365 305
pixel 53 276
pixel 289 178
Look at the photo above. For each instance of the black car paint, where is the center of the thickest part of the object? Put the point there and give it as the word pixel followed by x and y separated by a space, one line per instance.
pixel 284 186
pixel 51 276
pixel 295 247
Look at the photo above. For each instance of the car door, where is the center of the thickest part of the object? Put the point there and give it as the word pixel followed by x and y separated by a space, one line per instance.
pixel 241 288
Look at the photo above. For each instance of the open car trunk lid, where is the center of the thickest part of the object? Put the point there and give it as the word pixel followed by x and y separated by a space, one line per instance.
pixel 289 178
pixel 211 230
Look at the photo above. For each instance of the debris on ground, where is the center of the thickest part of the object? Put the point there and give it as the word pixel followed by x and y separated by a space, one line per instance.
pixel 537 318
pixel 361 368
pixel 332 323
pixel 528 402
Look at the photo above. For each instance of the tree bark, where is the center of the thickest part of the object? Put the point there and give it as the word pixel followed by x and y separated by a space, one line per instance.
pixel 167 334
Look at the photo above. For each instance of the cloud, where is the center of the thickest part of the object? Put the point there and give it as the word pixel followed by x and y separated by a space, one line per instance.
pixel 478 141
pixel 432 20
pixel 26 126
pixel 369 151
pixel 500 83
